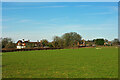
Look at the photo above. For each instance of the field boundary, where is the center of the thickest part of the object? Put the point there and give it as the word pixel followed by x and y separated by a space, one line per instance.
pixel 27 49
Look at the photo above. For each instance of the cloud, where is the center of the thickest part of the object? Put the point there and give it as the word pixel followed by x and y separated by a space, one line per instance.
pixel 83 6
pixel 24 20
pixel 32 7
pixel 6 19
pixel 5 27
pixel 112 10
pixel 57 19
pixel 115 8
pixel 94 27
pixel 52 6
pixel 101 13
pixel 87 31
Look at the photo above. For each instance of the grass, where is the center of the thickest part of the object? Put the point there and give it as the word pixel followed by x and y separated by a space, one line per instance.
pixel 64 63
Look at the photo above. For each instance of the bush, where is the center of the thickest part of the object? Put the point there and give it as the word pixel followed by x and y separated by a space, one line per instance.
pixel 99 41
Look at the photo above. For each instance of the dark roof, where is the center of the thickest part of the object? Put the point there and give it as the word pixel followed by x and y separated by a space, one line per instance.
pixel 28 42
pixel 19 41
pixel 34 42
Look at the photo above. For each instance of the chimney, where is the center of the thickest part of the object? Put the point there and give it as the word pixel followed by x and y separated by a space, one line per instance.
pixel 23 40
pixel 28 40
pixel 37 40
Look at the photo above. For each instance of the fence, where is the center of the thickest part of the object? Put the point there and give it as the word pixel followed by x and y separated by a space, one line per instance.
pixel 28 49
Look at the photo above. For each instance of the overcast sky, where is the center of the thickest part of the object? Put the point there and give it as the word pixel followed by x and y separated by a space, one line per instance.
pixel 44 20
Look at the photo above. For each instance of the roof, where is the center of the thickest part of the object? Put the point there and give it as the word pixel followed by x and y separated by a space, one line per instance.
pixel 34 42
pixel 19 41
pixel 28 42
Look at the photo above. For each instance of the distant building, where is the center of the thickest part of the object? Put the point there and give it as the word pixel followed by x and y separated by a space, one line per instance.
pixel 90 43
pixel 27 44
pixel 107 43
pixel 110 43
pixel 20 44
pixel 82 43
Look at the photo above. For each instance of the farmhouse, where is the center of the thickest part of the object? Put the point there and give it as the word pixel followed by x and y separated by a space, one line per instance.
pixel 108 43
pixel 20 44
pixel 27 44
pixel 90 43
pixel 83 43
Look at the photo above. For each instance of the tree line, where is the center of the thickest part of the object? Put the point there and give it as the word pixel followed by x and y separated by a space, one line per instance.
pixel 7 43
pixel 66 40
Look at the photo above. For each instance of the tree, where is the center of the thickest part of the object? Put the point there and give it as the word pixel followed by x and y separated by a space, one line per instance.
pixel 8 43
pixel 50 45
pixel 71 39
pixel 58 42
pixel 44 42
pixel 115 42
pixel 99 41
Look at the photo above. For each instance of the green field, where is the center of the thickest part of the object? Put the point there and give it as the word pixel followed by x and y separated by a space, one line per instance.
pixel 64 63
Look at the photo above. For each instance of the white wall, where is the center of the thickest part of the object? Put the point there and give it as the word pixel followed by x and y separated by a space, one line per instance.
pixel 19 47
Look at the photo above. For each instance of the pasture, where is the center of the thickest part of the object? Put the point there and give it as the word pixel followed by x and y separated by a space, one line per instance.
pixel 63 63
